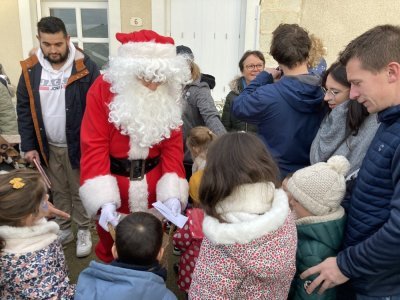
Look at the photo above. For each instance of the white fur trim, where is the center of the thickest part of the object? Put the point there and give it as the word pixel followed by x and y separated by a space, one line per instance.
pixel 98 191
pixel 138 195
pixel 137 152
pixel 29 238
pixel 183 191
pixel 241 199
pixel 171 186
pixel 147 50
pixel 243 227
pixel 320 219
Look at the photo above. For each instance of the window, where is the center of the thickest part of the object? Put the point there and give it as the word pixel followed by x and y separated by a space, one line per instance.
pixel 86 23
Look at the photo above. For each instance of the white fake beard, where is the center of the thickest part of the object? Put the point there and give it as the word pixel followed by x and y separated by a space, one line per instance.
pixel 146 116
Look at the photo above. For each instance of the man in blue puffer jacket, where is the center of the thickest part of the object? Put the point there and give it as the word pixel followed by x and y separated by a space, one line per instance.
pixel 371 258
pixel 288 112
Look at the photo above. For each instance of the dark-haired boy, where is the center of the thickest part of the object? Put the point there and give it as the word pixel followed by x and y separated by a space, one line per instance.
pixel 135 273
pixel 287 111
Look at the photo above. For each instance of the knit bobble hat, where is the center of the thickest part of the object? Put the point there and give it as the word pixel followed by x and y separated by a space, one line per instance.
pixel 320 188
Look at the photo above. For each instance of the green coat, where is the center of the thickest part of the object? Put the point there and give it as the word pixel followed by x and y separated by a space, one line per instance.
pixel 230 122
pixel 316 242
pixel 8 116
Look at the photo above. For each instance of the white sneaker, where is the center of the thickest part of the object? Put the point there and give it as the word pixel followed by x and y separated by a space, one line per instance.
pixel 83 243
pixel 66 236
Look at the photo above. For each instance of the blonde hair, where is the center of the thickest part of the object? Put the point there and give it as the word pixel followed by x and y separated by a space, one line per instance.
pixel 195 70
pixel 317 51
pixel 200 137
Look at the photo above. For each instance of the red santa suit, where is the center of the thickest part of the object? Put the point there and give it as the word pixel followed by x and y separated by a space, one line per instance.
pixel 100 139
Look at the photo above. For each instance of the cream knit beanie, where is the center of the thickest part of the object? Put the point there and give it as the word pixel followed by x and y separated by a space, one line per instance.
pixel 320 188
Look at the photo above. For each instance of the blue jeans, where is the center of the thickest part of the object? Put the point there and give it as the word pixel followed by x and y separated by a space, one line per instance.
pixel 362 297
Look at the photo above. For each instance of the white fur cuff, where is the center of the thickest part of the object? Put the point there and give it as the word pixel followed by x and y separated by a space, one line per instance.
pixel 98 191
pixel 172 186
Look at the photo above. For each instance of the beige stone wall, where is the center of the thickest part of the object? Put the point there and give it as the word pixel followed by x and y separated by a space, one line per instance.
pixel 10 39
pixel 135 8
pixel 272 13
pixel 335 22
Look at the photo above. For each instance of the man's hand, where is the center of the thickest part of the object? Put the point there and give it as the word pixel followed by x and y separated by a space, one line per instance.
pixel 108 215
pixel 30 155
pixel 174 205
pixel 276 74
pixel 329 275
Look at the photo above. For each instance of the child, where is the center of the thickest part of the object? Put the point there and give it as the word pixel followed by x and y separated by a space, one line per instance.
pixel 198 141
pixel 135 273
pixel 31 257
pixel 315 194
pixel 188 239
pixel 249 245
pixel 316 60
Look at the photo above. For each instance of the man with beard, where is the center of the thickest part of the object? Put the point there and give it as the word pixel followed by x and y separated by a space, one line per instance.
pixel 51 99
pixel 131 138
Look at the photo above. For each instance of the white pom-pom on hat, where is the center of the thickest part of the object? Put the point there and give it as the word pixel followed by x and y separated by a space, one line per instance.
pixel 340 164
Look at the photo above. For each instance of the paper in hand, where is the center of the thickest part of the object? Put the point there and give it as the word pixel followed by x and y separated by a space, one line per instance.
pixel 179 220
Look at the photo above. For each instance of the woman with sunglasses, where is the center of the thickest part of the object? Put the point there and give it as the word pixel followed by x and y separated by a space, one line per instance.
pixel 348 128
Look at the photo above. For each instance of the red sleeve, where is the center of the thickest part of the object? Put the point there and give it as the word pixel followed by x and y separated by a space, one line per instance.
pixel 172 154
pixel 95 132
pixel 97 185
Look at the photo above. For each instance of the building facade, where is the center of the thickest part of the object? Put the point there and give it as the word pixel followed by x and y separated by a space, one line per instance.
pixel 218 31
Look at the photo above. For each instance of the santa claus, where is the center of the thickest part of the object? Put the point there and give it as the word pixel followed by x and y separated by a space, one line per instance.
pixel 131 139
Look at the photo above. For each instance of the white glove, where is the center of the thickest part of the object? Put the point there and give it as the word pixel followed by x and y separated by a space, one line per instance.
pixel 174 205
pixel 108 215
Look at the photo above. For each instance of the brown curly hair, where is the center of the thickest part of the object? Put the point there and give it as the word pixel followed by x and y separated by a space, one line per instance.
pixel 317 51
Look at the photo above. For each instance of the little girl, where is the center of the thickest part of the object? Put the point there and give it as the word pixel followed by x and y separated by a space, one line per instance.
pixel 188 239
pixel 249 245
pixel 31 257
pixel 315 194
pixel 198 141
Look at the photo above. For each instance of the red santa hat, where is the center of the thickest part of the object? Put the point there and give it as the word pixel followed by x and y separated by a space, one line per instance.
pixel 145 44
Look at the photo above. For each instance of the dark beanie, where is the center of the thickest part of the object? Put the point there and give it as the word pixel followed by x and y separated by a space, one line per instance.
pixel 184 50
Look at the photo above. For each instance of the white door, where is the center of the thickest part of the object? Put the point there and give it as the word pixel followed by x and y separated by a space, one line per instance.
pixel 214 30
pixel 86 23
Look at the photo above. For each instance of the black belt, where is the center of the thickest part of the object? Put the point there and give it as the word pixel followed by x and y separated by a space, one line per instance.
pixel 134 169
